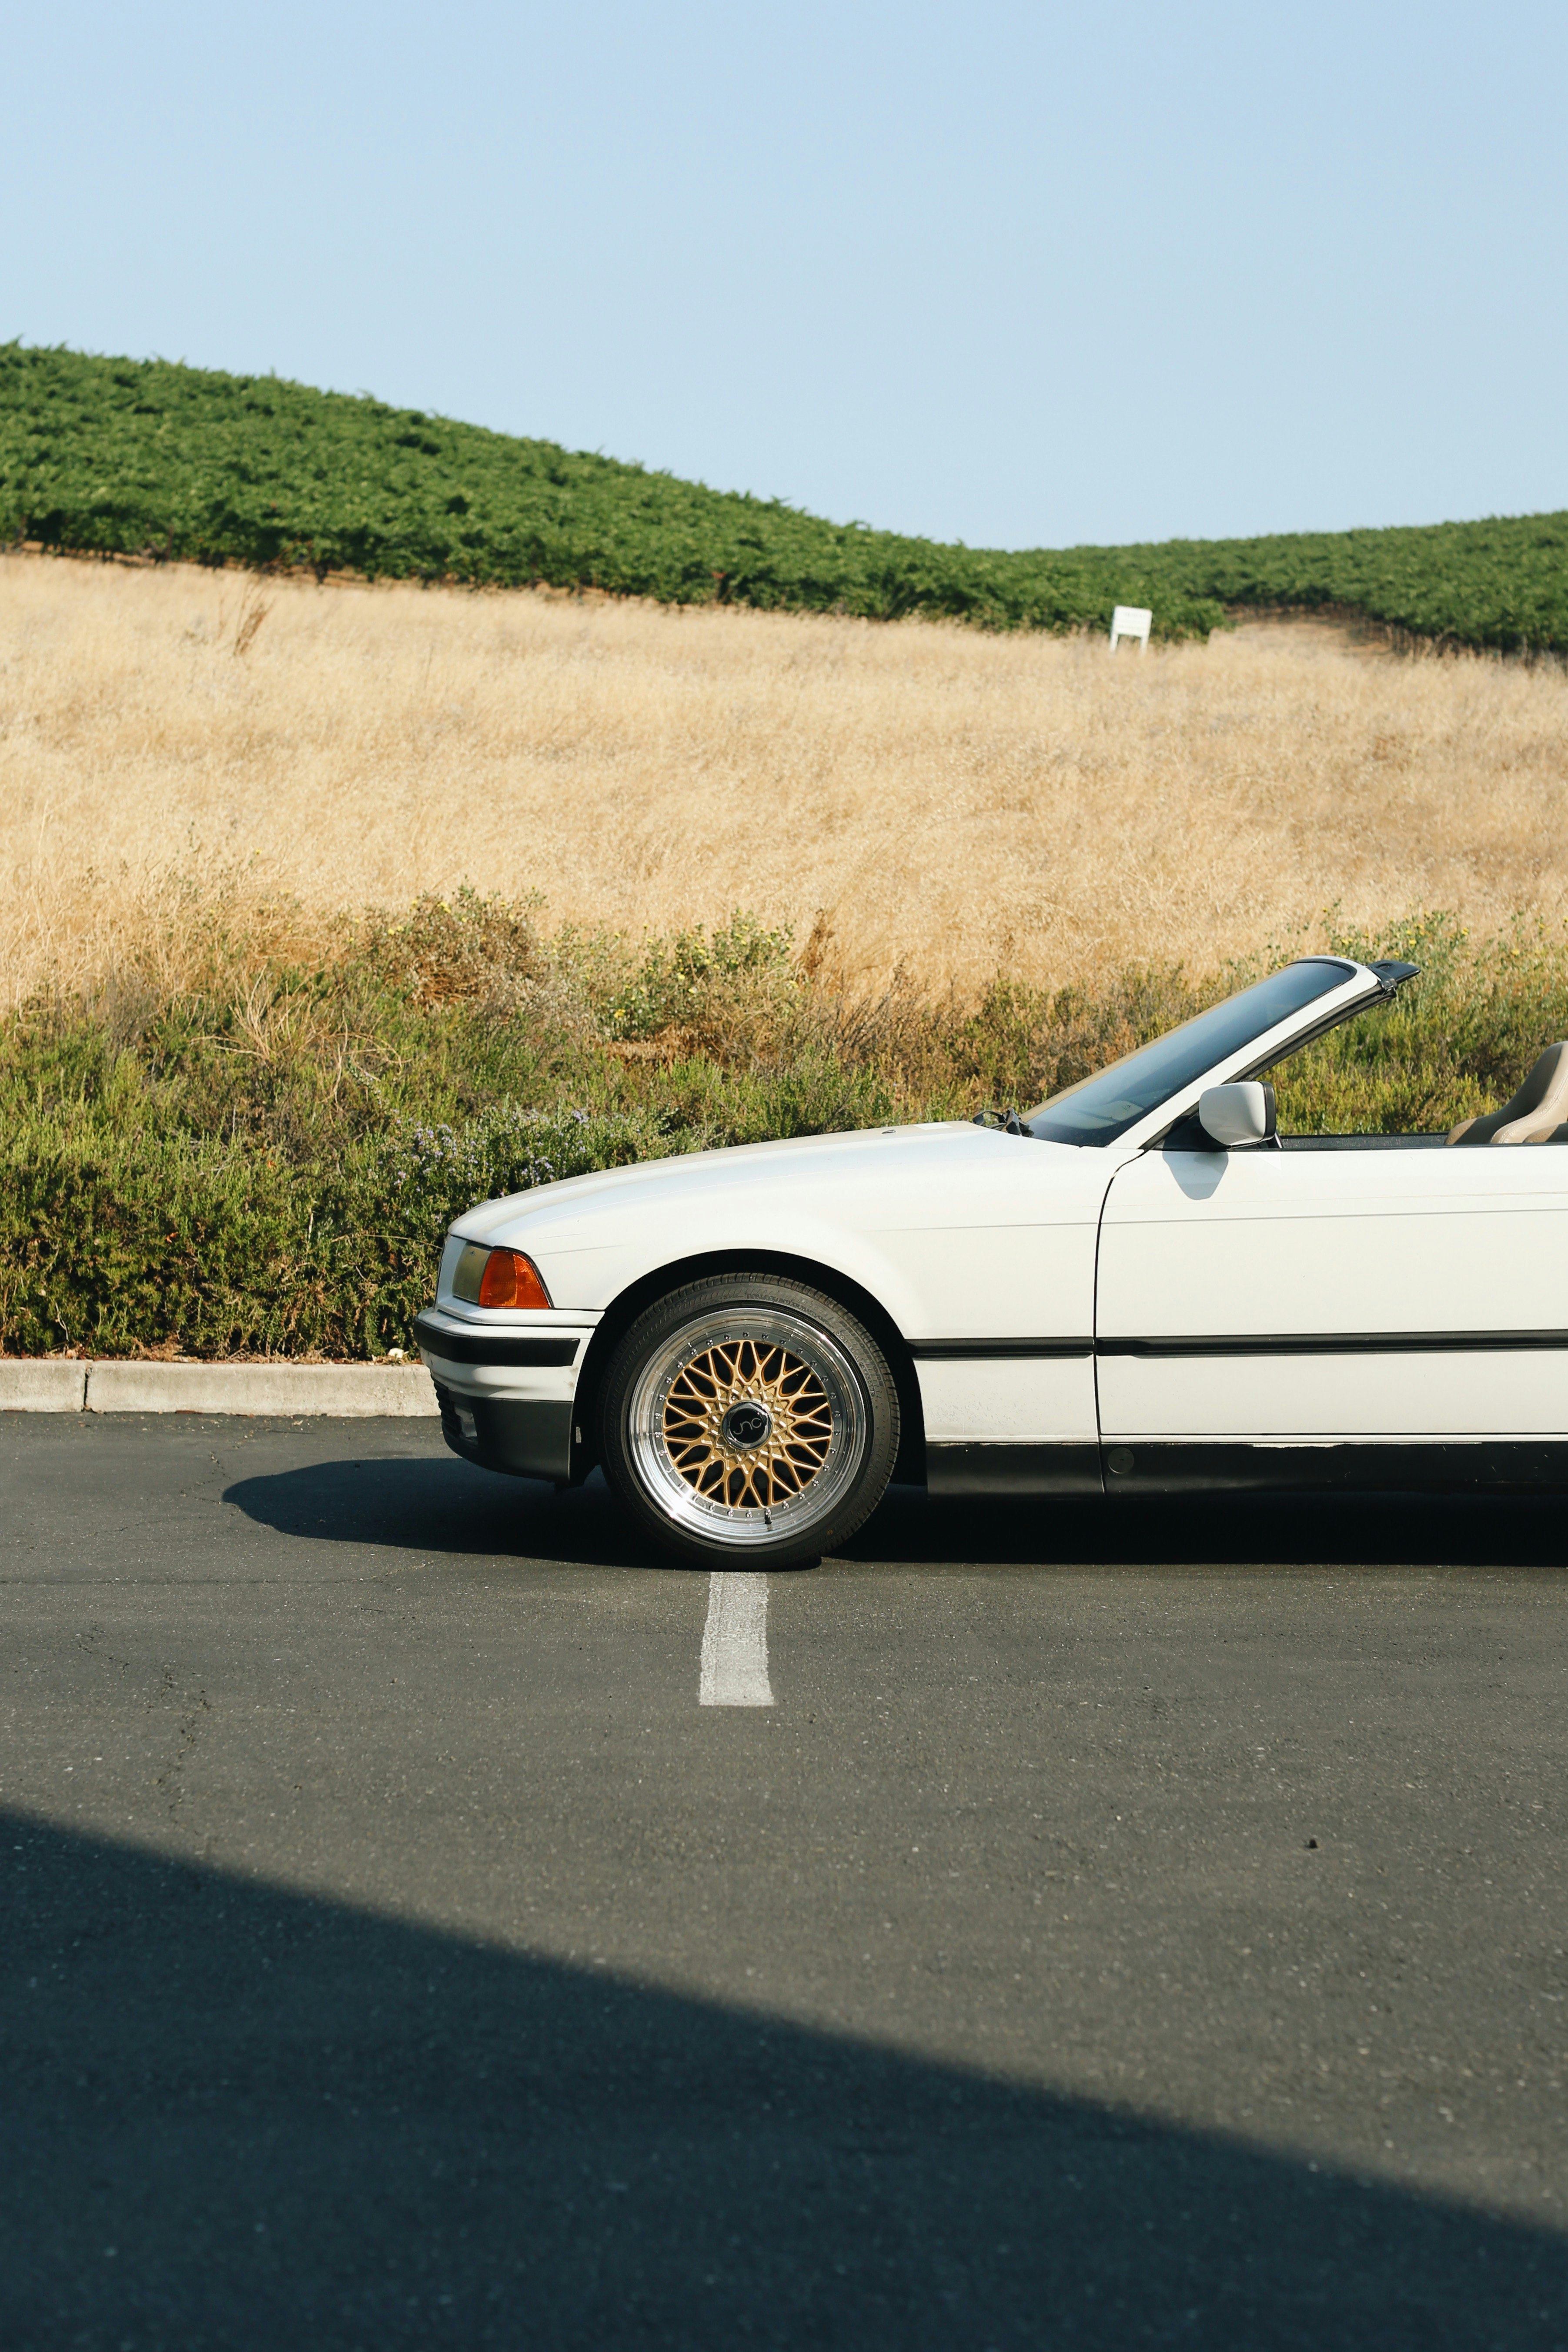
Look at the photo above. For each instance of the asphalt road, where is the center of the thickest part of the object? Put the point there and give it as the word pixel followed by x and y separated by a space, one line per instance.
pixel 1128 1925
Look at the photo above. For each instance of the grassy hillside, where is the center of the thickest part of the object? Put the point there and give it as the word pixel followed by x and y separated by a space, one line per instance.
pixel 130 457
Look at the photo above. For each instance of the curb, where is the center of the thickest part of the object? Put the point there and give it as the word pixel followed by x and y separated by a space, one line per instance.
pixel 59 1385
pixel 40 1384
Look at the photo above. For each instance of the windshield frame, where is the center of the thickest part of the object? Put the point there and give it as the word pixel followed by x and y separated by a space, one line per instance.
pixel 1362 987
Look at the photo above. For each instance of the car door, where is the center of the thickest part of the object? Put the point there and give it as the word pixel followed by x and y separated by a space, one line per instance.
pixel 1390 1312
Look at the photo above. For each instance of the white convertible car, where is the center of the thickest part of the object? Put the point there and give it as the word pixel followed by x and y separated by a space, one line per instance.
pixel 1139 1288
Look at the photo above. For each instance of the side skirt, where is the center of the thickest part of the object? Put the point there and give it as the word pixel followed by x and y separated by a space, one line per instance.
pixel 1014 1469
pixel 1492 1466
pixel 1495 1465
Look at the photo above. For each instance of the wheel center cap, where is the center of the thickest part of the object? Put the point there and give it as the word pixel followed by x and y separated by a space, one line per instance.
pixel 745 1424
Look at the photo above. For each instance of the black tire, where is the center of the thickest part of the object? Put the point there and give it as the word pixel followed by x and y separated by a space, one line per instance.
pixel 746 1421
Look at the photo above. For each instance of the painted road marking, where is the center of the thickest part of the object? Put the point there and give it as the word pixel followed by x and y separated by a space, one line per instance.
pixel 735 1640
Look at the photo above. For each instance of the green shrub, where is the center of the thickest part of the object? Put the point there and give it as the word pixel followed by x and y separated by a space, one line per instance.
pixel 264 1162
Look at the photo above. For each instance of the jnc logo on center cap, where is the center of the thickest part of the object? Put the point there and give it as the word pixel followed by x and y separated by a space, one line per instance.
pixel 747 1424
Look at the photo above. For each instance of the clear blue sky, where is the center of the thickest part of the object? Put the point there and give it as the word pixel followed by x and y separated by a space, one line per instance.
pixel 1020 275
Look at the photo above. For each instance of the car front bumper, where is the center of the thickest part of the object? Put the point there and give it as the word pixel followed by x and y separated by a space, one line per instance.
pixel 506 1393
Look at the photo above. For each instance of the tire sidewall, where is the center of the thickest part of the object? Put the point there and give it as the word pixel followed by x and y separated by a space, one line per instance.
pixel 877 1397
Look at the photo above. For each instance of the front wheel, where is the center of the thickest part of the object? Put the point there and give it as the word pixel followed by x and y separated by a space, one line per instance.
pixel 748 1420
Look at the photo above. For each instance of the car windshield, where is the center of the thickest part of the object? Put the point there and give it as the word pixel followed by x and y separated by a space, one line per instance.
pixel 1098 1109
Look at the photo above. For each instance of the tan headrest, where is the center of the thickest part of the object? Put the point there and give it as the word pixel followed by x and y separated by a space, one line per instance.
pixel 1533 1113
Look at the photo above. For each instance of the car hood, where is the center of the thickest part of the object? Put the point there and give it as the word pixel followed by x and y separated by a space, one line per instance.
pixel 866 1159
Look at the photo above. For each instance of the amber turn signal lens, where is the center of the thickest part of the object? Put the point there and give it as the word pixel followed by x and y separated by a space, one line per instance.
pixel 510 1279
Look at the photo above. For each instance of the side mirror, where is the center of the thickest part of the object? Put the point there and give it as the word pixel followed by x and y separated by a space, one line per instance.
pixel 1236 1116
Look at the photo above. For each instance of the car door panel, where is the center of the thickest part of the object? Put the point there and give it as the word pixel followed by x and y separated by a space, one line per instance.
pixel 1389 1394
pixel 1225 1280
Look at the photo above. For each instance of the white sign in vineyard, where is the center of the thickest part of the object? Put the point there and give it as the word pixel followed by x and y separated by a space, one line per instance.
pixel 1131 621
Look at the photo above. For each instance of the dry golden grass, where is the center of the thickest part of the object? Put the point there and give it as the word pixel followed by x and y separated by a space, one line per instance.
pixel 952 801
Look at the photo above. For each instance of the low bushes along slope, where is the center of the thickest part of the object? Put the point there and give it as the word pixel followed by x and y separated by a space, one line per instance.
pixel 261 1156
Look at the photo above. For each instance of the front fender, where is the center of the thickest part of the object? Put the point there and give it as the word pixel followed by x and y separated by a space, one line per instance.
pixel 590 1278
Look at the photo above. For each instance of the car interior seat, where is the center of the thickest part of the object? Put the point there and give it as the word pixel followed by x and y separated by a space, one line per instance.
pixel 1536 1114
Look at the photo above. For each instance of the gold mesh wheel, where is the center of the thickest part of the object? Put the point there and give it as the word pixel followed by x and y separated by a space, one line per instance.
pixel 748 1423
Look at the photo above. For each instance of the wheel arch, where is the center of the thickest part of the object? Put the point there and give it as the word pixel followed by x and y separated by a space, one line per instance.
pixel 617 1318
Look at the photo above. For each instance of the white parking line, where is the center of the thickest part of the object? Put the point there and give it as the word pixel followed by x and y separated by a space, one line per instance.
pixel 735 1642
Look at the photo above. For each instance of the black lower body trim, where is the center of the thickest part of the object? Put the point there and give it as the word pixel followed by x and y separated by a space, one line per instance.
pixel 1013 1470
pixel 1345 1343
pixel 1523 1466
pixel 508 1347
pixel 985 1351
pixel 1256 1343
pixel 526 1439
pixel 1496 1465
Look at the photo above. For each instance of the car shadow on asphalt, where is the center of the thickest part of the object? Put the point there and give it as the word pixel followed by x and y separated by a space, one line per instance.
pixel 243 2116
pixel 441 1504
pixel 1216 1530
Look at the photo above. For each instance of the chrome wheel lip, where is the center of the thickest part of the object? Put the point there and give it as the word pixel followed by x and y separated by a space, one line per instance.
pixel 673 1496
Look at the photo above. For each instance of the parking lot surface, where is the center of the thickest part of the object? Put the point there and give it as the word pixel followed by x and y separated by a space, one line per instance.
pixel 1126 1925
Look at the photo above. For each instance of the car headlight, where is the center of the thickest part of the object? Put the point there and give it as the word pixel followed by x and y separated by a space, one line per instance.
pixel 497 1277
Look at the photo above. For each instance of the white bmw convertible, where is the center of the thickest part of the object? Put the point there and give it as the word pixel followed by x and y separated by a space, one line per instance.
pixel 1140 1289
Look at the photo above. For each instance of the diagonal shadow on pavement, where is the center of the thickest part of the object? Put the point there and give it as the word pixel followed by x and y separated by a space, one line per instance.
pixel 237 2116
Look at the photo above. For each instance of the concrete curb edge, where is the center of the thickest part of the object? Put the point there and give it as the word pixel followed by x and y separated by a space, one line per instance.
pixel 61 1385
